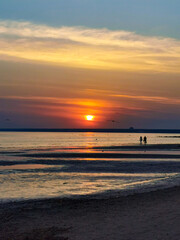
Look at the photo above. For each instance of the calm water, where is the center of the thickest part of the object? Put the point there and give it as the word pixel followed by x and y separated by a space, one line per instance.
pixel 25 177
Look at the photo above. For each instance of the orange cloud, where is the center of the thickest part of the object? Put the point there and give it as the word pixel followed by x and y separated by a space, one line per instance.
pixel 88 48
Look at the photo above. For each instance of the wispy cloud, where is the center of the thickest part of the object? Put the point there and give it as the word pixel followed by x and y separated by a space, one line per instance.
pixel 157 99
pixel 88 48
pixel 114 95
pixel 69 107
pixel 57 101
pixel 60 106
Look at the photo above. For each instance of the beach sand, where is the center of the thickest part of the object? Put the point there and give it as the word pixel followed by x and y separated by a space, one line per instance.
pixel 143 216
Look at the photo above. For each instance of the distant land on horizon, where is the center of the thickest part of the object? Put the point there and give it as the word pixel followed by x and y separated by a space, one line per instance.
pixel 129 130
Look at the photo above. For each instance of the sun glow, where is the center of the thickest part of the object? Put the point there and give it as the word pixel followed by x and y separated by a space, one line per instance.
pixel 89 117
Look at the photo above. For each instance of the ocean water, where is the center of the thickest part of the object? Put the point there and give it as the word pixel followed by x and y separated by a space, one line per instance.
pixel 32 167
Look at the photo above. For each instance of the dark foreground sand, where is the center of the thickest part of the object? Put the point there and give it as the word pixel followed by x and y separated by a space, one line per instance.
pixel 145 216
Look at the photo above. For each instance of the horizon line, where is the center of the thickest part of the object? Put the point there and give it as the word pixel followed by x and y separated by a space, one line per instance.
pixel 120 130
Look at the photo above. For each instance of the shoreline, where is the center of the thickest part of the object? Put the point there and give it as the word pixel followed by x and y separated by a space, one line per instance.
pixel 89 198
pixel 97 196
pixel 149 215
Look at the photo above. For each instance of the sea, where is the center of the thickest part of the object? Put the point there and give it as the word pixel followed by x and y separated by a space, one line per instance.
pixel 41 165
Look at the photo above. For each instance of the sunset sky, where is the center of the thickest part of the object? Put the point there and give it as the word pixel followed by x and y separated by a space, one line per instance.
pixel 117 60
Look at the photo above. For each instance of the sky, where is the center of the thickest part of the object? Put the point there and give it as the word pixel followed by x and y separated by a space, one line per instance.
pixel 117 60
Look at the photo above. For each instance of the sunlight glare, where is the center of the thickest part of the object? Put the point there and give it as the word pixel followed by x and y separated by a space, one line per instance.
pixel 89 117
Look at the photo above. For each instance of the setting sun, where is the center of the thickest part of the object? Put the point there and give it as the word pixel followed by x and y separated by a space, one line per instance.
pixel 89 117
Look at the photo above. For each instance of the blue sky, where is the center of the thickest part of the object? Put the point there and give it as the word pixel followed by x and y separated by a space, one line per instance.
pixel 147 17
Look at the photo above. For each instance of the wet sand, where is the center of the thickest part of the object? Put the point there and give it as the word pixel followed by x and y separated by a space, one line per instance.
pixel 151 216
pixel 153 151
pixel 101 155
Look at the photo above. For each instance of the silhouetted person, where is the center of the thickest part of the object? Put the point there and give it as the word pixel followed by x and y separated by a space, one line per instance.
pixel 145 139
pixel 140 139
